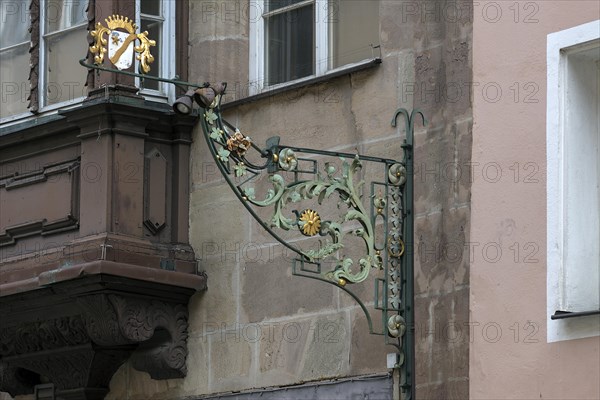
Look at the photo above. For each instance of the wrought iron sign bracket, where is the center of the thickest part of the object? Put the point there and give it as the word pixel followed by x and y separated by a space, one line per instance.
pixel 347 217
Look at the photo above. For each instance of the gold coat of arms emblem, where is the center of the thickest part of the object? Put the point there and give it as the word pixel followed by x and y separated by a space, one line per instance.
pixel 118 39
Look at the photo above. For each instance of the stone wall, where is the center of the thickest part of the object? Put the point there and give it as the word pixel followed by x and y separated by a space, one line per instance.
pixel 257 326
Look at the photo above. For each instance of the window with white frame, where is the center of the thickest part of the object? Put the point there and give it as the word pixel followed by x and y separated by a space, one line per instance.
pixel 295 39
pixel 58 77
pixel 573 183
pixel 158 18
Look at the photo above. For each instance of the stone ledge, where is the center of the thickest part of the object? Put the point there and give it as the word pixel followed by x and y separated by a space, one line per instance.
pixel 100 267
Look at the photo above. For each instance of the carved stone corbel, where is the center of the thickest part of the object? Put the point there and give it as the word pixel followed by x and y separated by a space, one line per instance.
pixel 17 381
pixel 76 331
pixel 159 327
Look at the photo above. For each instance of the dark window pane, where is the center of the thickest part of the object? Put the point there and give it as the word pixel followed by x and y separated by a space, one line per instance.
pixel 277 4
pixel 154 33
pixel 290 45
pixel 353 28
pixel 150 7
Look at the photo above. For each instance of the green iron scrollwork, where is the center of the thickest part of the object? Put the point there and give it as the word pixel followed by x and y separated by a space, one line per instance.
pixel 392 203
pixel 324 185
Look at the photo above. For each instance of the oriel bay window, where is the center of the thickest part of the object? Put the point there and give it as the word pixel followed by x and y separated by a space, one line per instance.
pixel 295 39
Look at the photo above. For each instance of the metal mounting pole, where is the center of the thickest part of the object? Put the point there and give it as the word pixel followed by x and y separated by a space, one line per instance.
pixel 408 344
pixel 409 229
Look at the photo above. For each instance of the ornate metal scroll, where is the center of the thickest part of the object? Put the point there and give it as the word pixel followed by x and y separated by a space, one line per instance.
pixel 377 213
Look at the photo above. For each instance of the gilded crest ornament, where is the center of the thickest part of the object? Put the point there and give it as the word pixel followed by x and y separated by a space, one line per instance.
pixel 121 47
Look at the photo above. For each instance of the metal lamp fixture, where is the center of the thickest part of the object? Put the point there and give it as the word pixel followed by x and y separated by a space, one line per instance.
pixel 185 103
pixel 203 96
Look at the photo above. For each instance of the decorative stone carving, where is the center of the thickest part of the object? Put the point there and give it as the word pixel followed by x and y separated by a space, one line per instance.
pixel 44 335
pixel 93 325
pixel 101 321
pixel 155 184
pixel 113 320
pixel 17 381
pixel 163 357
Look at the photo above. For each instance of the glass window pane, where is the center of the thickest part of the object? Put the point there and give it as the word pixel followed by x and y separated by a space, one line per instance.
pixel 65 78
pixel 14 22
pixel 62 14
pixel 14 70
pixel 154 29
pixel 150 7
pixel 353 28
pixel 277 4
pixel 289 45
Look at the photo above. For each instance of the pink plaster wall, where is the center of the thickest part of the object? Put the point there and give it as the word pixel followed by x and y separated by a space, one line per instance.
pixel 509 134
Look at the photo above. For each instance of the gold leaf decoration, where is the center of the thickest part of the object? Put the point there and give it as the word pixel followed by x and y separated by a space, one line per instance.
pixel 310 222
pixel 99 47
pixel 144 48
